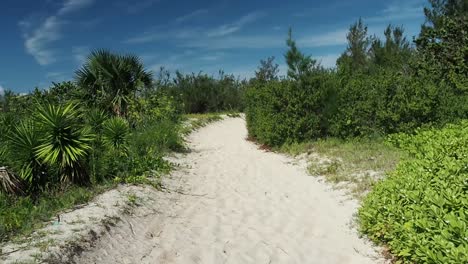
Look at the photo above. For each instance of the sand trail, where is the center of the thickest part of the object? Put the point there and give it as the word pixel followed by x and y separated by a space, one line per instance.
pixel 233 203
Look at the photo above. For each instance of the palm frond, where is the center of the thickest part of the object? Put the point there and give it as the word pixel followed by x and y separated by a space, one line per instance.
pixel 66 143
pixel 115 134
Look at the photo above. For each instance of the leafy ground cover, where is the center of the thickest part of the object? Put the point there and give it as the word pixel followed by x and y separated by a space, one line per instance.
pixel 420 210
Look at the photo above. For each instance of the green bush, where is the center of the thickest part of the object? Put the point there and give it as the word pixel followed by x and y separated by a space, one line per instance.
pixel 279 112
pixel 201 93
pixel 420 210
pixel 384 102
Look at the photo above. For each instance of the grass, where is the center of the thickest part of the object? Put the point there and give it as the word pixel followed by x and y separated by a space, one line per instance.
pixel 359 162
pixel 197 121
pixel 20 216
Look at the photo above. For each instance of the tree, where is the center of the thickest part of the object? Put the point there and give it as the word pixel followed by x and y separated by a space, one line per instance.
pixel 443 8
pixel 443 42
pixel 111 80
pixel 299 65
pixel 355 57
pixel 394 53
pixel 268 70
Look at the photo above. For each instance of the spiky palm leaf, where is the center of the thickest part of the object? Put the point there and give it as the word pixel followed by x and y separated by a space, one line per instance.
pixel 66 143
pixel 115 134
pixel 23 142
pixel 95 119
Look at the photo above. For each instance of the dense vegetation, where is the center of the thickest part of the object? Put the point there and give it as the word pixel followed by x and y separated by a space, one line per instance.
pixel 59 144
pixel 379 86
pixel 201 93
pixel 420 210
pixel 115 121
pixel 382 87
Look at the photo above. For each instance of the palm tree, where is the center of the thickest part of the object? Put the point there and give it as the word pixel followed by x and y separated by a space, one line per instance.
pixel 66 143
pixel 111 80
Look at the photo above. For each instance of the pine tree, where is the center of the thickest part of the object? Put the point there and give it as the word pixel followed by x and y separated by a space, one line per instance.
pixel 355 57
pixel 267 71
pixel 299 65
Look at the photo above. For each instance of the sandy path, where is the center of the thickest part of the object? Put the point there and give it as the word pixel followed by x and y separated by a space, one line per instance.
pixel 238 204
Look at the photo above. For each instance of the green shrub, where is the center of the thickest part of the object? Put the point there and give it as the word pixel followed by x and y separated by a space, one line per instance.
pixel 420 210
pixel 384 102
pixel 201 93
pixel 279 112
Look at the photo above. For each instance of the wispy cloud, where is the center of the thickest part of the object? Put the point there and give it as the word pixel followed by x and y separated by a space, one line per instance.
pixel 328 61
pixel 57 76
pixel 277 28
pixel 333 38
pixel 70 6
pixel 317 10
pixel 160 33
pixel 37 41
pixel 228 29
pixel 2 90
pixel 310 40
pixel 191 15
pixel 171 31
pixel 399 10
pixel 232 42
pixel 134 7
pixel 213 56
pixel 80 54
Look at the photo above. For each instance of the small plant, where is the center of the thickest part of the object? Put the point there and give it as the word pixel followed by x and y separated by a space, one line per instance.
pixel 132 199
pixel 115 135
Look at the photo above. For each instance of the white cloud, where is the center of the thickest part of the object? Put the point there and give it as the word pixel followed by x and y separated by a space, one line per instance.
pixel 228 29
pixel 161 33
pixel 70 6
pixel 169 32
pixel 190 16
pixel 277 28
pixel 144 38
pixel 232 42
pixel 80 54
pixel 333 38
pixel 328 61
pixel 213 56
pixel 37 41
pixel 311 40
pixel 56 76
pixel 138 6
pixel 2 90
pixel 36 44
pixel 399 10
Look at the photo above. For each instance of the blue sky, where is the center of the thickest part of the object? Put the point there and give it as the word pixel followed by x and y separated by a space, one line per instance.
pixel 44 41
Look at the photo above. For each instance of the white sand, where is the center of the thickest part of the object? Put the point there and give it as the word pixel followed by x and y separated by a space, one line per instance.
pixel 79 227
pixel 234 203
